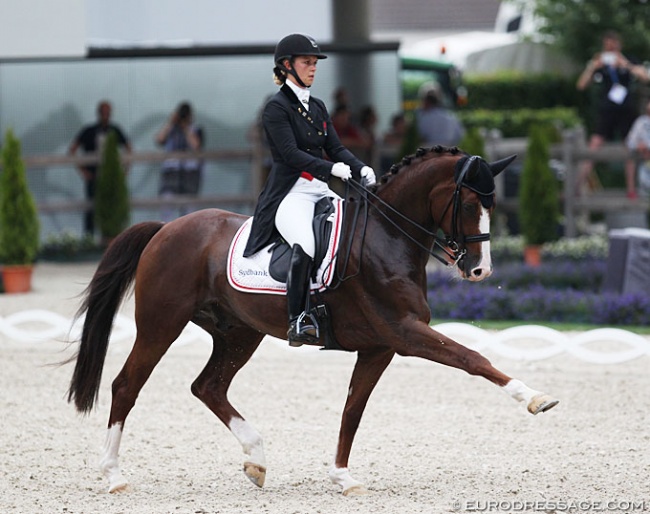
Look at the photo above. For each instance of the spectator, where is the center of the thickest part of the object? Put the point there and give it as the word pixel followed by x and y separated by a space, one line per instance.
pixel 180 134
pixel 349 133
pixel 393 140
pixel 638 142
pixel 257 137
pixel 91 139
pixel 616 110
pixel 341 98
pixel 367 128
pixel 437 125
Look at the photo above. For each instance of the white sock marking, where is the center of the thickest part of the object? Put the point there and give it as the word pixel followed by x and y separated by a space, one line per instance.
pixel 250 440
pixel 520 391
pixel 109 464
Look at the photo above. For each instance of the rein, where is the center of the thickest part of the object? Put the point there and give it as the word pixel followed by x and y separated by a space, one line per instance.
pixel 450 245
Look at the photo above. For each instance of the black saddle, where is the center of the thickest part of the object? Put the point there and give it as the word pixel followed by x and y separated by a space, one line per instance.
pixel 281 251
pixel 281 260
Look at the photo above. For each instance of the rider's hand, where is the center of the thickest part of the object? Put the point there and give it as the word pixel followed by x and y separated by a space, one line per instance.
pixel 342 171
pixel 368 176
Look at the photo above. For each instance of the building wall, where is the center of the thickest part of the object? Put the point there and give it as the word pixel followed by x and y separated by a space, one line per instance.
pixel 47 102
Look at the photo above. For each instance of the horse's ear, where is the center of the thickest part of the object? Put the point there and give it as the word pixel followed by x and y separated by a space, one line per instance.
pixel 474 166
pixel 500 165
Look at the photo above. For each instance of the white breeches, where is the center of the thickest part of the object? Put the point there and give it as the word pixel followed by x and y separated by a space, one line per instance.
pixel 295 213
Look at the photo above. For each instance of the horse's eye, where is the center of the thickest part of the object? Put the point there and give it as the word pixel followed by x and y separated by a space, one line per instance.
pixel 469 209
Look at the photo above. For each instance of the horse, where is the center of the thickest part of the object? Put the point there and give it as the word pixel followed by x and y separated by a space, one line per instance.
pixel 378 307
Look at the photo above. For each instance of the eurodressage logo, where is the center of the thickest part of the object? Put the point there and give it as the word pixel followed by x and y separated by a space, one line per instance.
pixel 252 272
pixel 575 506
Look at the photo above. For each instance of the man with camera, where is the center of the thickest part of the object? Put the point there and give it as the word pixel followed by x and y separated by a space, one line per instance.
pixel 616 111
pixel 180 176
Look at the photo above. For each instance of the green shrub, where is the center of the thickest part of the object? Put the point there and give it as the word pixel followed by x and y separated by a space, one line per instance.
pixel 473 142
pixel 514 90
pixel 510 248
pixel 19 224
pixel 518 122
pixel 112 208
pixel 67 246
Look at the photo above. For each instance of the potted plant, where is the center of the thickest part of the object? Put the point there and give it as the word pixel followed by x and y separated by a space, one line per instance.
pixel 112 208
pixel 539 207
pixel 19 224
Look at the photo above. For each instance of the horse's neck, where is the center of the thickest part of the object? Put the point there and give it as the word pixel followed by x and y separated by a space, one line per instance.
pixel 410 197
pixel 402 229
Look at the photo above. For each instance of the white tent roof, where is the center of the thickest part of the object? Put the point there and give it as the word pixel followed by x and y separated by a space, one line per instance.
pixel 456 48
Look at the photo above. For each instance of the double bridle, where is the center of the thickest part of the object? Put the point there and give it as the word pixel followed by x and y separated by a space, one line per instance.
pixel 452 245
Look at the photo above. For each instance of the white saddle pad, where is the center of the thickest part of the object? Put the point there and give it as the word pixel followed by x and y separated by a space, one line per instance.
pixel 251 274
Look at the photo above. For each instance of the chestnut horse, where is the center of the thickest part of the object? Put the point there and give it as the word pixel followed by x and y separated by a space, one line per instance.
pixel 378 310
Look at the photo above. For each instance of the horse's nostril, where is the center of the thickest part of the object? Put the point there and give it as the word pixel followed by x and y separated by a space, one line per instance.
pixel 477 272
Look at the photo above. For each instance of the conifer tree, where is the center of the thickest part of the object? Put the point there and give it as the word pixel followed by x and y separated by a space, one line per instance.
pixel 112 207
pixel 19 223
pixel 539 207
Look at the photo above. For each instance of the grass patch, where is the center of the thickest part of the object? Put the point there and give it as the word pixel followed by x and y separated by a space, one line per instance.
pixel 561 327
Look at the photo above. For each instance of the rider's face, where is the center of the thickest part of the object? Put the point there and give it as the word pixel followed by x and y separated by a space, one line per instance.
pixel 305 66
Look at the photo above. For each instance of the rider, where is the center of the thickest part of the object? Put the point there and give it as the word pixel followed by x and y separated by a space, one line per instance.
pixel 301 139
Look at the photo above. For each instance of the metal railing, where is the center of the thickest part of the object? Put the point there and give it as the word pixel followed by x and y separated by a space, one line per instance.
pixel 38 163
pixel 570 152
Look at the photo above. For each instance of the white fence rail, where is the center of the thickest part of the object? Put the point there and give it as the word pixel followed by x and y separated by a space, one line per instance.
pixel 523 343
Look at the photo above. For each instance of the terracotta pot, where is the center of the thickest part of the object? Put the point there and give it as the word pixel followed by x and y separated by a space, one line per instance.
pixel 17 278
pixel 533 255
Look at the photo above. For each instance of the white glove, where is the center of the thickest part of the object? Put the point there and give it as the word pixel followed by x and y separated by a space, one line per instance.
pixel 342 171
pixel 368 176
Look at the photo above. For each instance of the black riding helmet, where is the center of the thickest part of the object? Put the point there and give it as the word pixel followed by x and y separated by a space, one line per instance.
pixel 292 46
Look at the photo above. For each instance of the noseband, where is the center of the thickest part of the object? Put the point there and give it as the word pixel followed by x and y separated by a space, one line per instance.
pixel 452 245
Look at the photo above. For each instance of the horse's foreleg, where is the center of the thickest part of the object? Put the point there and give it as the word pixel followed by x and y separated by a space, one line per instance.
pixel 366 374
pixel 422 341
pixel 211 387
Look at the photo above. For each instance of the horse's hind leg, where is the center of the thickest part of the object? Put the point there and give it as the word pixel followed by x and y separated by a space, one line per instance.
pixel 229 354
pixel 144 357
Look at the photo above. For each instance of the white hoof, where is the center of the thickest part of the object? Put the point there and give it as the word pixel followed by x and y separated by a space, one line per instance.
pixel 255 473
pixel 119 485
pixel 356 490
pixel 350 486
pixel 541 403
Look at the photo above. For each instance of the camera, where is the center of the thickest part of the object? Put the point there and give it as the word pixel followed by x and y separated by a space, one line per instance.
pixel 184 112
pixel 608 58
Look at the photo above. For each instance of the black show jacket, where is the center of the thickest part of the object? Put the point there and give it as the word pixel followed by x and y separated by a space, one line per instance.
pixel 300 140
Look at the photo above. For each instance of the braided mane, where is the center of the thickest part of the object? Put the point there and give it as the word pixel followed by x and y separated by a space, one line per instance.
pixel 421 153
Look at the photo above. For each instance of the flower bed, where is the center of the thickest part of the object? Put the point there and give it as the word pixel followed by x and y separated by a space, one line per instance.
pixel 565 288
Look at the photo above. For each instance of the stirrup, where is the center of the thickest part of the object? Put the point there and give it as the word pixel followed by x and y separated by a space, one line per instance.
pixel 303 330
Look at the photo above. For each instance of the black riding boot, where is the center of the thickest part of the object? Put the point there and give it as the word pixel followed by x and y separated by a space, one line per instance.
pixel 303 328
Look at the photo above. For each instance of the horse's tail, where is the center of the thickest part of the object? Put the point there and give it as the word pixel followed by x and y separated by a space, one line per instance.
pixel 101 299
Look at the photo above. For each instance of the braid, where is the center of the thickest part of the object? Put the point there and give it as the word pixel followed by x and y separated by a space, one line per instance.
pixel 279 76
pixel 420 153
